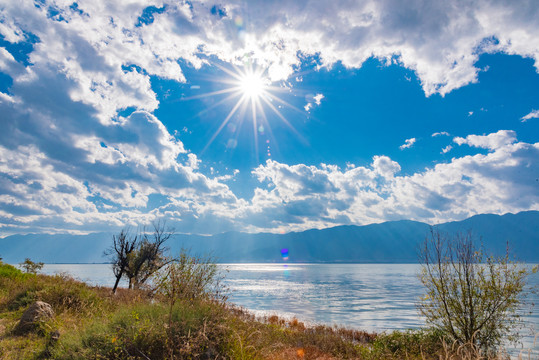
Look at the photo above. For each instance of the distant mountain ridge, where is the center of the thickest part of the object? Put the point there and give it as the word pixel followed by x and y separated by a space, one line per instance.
pixel 389 242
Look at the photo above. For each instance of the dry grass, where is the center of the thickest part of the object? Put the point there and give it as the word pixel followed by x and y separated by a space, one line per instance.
pixel 272 337
pixel 528 353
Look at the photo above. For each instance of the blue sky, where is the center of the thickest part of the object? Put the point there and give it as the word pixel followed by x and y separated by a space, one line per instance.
pixel 120 114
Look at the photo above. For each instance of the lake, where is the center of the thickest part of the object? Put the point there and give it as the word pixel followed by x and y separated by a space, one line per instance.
pixel 374 297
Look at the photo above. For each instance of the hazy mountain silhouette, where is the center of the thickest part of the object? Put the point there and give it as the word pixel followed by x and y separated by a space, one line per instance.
pixel 392 242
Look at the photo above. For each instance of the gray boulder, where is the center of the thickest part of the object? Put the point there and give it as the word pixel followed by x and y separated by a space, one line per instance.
pixel 37 312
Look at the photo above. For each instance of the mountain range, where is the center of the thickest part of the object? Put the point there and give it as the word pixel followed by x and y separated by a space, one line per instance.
pixel 388 242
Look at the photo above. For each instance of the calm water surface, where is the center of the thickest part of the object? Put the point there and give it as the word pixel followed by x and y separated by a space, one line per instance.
pixel 375 297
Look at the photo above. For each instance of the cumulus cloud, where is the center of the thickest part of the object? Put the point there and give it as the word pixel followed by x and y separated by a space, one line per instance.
pixel 440 42
pixel 490 141
pixel 67 164
pixel 83 150
pixel 384 166
pixel 534 114
pixel 408 143
pixel 504 180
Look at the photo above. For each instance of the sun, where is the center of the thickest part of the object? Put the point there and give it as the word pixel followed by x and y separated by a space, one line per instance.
pixel 252 85
pixel 252 94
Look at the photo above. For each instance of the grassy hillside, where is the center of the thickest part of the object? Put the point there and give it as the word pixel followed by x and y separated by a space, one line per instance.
pixel 95 324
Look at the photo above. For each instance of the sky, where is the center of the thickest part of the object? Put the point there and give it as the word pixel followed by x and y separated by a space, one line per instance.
pixel 265 116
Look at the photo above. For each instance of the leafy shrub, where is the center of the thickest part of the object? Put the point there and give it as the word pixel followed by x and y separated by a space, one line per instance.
pixel 472 298
pixel 10 272
pixel 191 277
pixel 31 267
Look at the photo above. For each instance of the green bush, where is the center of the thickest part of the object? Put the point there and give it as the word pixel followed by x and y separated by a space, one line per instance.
pixel 190 277
pixel 472 298
pixel 10 272
pixel 402 344
pixel 31 267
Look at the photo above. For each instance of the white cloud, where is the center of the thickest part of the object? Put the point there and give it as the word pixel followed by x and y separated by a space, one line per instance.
pixel 6 59
pixel 41 190
pixel 69 160
pixel 441 42
pixel 66 167
pixel 408 143
pixel 534 114
pixel 501 181
pixel 491 141
pixel 447 149
pixel 6 98
pixel 8 64
pixel 384 166
pixel 442 133
pixel 318 98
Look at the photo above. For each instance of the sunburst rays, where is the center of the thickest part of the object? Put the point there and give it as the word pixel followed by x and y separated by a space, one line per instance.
pixel 250 92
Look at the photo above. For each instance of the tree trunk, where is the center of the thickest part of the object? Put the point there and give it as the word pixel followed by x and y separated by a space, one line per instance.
pixel 118 277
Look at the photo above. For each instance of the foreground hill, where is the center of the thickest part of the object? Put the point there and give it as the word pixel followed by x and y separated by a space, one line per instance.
pixel 192 323
pixel 392 242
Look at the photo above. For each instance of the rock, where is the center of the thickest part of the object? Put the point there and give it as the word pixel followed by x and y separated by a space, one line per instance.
pixel 55 335
pixel 36 313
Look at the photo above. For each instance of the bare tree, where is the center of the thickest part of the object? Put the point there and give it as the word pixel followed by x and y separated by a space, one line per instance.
pixel 138 257
pixel 150 254
pixel 472 298
pixel 122 249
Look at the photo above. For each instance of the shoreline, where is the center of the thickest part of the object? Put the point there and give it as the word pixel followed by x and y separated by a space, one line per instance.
pixel 84 312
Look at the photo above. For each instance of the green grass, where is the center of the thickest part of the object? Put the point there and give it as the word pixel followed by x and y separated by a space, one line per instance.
pixel 94 324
